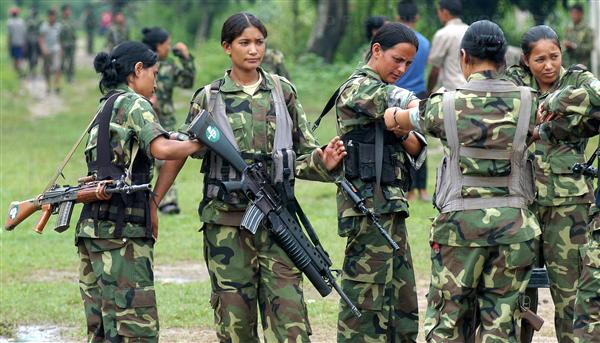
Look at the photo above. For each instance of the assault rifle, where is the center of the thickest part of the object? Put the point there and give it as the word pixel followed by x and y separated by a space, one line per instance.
pixel 61 199
pixel 359 204
pixel 285 225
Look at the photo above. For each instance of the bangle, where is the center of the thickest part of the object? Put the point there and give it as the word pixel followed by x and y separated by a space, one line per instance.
pixel 405 137
pixel 395 121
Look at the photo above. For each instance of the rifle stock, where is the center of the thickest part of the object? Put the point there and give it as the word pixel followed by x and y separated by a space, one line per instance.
pixel 19 211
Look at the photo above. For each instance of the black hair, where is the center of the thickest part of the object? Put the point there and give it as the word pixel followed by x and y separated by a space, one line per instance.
pixel 153 36
pixel 577 7
pixel 484 40
pixel 65 6
pixel 407 10
pixel 391 34
pixel 374 23
pixel 535 34
pixel 120 63
pixel 237 23
pixel 453 6
pixel 52 11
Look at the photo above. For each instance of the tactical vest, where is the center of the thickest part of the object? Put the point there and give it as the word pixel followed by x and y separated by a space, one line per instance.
pixel 131 208
pixel 371 149
pixel 282 158
pixel 450 180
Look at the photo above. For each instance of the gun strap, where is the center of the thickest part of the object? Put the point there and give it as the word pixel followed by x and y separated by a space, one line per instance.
pixel 378 162
pixel 332 100
pixel 67 158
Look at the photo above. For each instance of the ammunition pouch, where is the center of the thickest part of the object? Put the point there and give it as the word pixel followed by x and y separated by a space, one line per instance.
pixel 359 162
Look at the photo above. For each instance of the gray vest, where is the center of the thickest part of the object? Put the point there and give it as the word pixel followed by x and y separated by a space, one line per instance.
pixel 520 181
pixel 283 156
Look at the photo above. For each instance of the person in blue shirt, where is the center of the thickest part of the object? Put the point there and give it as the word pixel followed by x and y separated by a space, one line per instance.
pixel 414 80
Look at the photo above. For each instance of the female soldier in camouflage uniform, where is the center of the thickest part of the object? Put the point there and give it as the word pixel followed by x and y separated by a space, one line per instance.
pixel 482 240
pixel 169 76
pixel 563 198
pixel 247 269
pixel 583 107
pixel 381 284
pixel 115 238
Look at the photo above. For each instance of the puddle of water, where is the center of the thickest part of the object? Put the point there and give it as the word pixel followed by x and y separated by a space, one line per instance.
pixel 35 333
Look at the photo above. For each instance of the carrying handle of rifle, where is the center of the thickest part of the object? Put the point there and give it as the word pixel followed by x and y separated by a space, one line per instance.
pixel 46 212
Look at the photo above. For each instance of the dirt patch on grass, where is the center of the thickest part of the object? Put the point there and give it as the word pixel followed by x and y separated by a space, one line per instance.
pixel 181 272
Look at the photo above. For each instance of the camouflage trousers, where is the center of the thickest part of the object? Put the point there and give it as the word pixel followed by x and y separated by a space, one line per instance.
pixel 381 285
pixel 463 277
pixel 116 282
pixel 68 62
pixel 563 234
pixel 587 303
pixel 170 197
pixel 246 269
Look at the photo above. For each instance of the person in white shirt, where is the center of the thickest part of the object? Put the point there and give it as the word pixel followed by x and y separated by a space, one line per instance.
pixel 49 41
pixel 445 48
pixel 17 34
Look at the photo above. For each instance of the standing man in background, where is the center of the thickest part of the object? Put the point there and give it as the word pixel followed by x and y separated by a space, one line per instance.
pixel 89 21
pixel 17 38
pixel 117 32
pixel 445 47
pixel 33 34
pixel 273 63
pixel 68 40
pixel 49 41
pixel 414 81
pixel 579 40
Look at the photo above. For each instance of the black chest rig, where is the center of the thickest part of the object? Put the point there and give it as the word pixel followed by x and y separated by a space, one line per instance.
pixel 131 208
pixel 374 154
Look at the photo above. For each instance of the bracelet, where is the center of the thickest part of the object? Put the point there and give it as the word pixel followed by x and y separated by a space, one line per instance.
pixel 403 138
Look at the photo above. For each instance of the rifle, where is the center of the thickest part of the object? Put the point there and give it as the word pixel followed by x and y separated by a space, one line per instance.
pixel 61 199
pixel 286 226
pixel 359 204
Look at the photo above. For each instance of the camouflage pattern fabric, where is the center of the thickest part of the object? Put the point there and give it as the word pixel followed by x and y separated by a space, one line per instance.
pixel 558 189
pixel 169 76
pixel 245 269
pixel 587 303
pixel 68 40
pixel 273 63
pixel 495 276
pixel 117 287
pixel 583 36
pixel 563 235
pixel 487 121
pixel 380 284
pixel 364 101
pixel 252 119
pixel 133 119
pixel 115 35
pixel 478 255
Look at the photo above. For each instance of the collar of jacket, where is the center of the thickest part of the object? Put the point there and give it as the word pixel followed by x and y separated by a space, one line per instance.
pixel 484 75
pixel 229 86
pixel 368 71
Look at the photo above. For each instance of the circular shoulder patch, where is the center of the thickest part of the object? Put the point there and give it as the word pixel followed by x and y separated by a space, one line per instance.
pixel 212 133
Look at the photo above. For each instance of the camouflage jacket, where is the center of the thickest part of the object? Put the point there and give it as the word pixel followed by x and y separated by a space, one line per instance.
pixel 583 36
pixel 362 102
pixel 169 76
pixel 115 35
pixel 273 63
pixel 490 122
pixel 555 183
pixel 133 121
pixel 33 29
pixel 252 119
pixel 67 34
pixel 579 111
